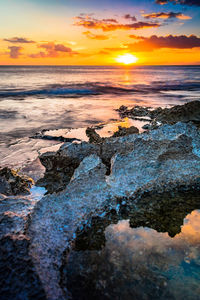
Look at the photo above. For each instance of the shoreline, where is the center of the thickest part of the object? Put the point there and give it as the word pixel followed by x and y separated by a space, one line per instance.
pixel 117 171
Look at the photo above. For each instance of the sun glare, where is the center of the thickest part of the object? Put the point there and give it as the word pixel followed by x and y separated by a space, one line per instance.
pixel 127 59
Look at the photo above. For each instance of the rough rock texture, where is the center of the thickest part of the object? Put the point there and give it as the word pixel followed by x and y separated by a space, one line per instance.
pixel 94 137
pixel 122 131
pixel 18 277
pixel 60 166
pixel 11 183
pixel 179 113
pixel 56 218
pixel 161 160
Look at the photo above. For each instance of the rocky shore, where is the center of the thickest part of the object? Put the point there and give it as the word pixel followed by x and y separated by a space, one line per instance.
pixel 91 179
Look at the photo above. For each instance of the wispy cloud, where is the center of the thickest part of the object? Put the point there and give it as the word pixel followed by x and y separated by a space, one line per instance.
pixel 108 25
pixel 19 40
pixel 93 36
pixel 183 2
pixel 53 50
pixel 129 17
pixel 168 15
pixel 14 51
pixel 171 41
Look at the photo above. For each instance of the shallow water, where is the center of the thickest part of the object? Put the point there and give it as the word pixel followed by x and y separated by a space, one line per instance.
pixel 148 251
pixel 35 98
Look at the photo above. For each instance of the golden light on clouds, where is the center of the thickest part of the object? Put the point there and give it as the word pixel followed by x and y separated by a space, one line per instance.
pixel 126 59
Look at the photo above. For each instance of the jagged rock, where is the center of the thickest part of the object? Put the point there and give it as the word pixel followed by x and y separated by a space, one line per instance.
pixel 124 261
pixel 94 137
pixel 165 159
pixel 14 213
pixel 53 225
pixel 136 111
pixel 122 131
pixel 179 113
pixel 60 166
pixel 11 183
pixel 89 163
pixel 18 277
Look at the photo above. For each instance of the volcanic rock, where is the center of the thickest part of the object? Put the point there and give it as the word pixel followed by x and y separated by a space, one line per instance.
pixel 161 160
pixel 11 183
pixel 122 131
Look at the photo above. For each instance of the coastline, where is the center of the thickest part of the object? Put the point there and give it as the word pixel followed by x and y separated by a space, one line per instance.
pixel 117 171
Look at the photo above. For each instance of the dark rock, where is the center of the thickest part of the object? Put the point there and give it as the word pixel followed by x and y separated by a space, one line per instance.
pixel 179 113
pixel 18 277
pixel 94 137
pixel 122 131
pixel 11 183
pixel 161 160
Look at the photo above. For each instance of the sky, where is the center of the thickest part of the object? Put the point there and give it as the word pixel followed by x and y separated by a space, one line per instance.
pixel 90 32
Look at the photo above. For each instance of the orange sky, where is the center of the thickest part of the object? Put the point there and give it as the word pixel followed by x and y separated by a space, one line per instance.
pixel 62 33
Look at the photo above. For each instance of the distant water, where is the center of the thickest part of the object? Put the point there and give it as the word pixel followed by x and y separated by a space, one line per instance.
pixel 33 98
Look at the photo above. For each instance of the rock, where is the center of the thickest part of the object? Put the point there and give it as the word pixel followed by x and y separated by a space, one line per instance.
pixel 136 111
pixel 18 277
pixel 89 163
pixel 86 259
pixel 179 113
pixel 152 125
pixel 122 131
pixel 60 166
pixel 122 109
pixel 14 213
pixel 162 160
pixel 94 137
pixel 56 217
pixel 11 183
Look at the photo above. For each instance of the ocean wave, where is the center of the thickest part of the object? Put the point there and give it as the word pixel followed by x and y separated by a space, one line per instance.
pixel 79 90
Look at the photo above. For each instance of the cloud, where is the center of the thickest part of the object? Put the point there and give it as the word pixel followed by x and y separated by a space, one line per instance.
pixel 171 41
pixel 169 15
pixel 19 40
pixel 129 17
pixel 110 20
pixel 93 23
pixel 137 37
pixel 15 51
pixel 53 50
pixel 92 36
pixel 183 2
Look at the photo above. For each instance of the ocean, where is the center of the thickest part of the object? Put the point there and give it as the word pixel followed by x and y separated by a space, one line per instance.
pixel 37 97
pixel 33 98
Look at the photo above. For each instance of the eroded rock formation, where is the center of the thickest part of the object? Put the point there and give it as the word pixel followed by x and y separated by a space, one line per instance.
pixel 162 160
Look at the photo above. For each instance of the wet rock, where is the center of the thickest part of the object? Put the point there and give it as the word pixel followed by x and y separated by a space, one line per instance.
pixel 14 213
pixel 179 113
pixel 161 160
pixel 94 137
pixel 136 111
pixel 122 131
pixel 136 265
pixel 152 125
pixel 56 218
pixel 11 183
pixel 60 166
pixel 18 277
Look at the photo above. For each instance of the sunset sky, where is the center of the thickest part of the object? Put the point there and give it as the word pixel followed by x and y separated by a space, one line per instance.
pixel 90 32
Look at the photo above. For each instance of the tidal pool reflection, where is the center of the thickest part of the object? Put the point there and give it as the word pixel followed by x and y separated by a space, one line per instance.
pixel 137 263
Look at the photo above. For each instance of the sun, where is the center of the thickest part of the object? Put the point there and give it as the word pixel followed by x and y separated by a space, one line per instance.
pixel 126 59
